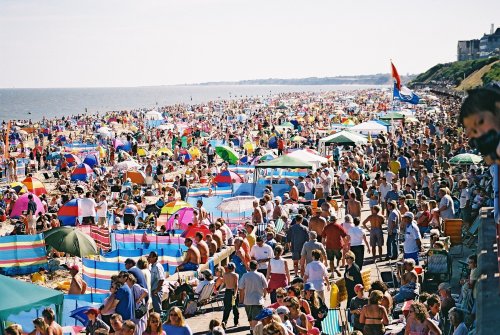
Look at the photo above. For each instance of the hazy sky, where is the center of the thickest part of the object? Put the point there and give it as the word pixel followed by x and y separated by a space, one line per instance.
pixel 69 43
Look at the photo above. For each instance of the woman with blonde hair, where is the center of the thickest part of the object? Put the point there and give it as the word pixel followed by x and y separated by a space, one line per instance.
pixel 41 328
pixel 14 329
pixel 298 319
pixel 176 324
pixel 418 321
pixel 154 325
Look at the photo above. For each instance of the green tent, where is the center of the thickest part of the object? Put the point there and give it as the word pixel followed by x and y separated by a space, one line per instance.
pixel 392 116
pixel 17 296
pixel 285 162
pixel 344 138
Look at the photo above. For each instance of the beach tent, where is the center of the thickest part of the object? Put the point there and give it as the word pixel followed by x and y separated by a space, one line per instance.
pixel 18 296
pixel 153 115
pixel 186 216
pixel 91 160
pixel 309 157
pixel 81 172
pixel 19 187
pixel 343 138
pixel 369 127
pixel 226 178
pixel 69 212
pixel 285 162
pixel 71 159
pixel 22 205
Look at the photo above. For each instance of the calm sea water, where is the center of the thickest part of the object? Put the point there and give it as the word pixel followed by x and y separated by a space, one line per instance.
pixel 57 102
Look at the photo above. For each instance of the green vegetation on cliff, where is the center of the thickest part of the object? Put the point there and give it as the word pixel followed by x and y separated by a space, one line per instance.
pixel 452 74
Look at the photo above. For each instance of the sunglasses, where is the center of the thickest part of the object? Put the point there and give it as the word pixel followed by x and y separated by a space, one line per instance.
pixel 155 321
pixel 280 296
pixel 173 315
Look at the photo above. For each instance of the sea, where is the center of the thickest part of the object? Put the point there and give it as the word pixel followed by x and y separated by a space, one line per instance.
pixel 35 103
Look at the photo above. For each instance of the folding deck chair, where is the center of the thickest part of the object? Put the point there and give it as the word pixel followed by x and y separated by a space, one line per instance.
pixel 438 267
pixel 470 234
pixel 336 322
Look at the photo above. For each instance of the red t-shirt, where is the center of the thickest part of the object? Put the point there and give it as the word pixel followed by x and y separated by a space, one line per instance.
pixel 427 218
pixel 334 234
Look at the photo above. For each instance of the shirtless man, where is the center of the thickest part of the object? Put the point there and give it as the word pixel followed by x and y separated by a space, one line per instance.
pixel 202 212
pixel 202 247
pixel 317 223
pixel 192 260
pixel 49 317
pixel 376 236
pixel 231 295
pixel 257 213
pixel 77 286
pixel 353 206
pixel 216 235
pixel 212 245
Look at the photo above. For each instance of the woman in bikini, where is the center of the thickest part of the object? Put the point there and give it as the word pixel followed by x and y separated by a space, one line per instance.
pixel 374 316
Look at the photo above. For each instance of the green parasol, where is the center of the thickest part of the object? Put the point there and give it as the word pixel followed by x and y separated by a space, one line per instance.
pixel 227 154
pixel 466 159
pixel 71 241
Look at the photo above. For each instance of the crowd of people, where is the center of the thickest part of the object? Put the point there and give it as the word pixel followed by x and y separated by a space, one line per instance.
pixel 403 176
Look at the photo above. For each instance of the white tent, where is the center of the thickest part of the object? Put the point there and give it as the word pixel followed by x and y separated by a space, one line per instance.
pixel 154 115
pixel 367 127
pixel 309 157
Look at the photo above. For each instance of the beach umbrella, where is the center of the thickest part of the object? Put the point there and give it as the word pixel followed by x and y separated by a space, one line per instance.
pixel 164 151
pixel 204 134
pixel 299 139
pixel 287 125
pixel 126 165
pixel 246 159
pixel 226 178
pixel 193 229
pixel 267 157
pixel 227 154
pixel 282 107
pixel 72 241
pixel 69 212
pixel 173 206
pixel 81 172
pixel 348 122
pixel 137 177
pixel 194 152
pixel 19 187
pixel 466 159
pixel 72 159
pixel 186 216
pixel 79 314
pixel 34 186
pixel 184 155
pixel 237 204
pixel 53 155
pixel 22 205
pixel 142 152
pixel 91 160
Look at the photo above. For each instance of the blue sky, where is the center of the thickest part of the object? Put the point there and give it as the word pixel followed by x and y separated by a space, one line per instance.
pixel 97 43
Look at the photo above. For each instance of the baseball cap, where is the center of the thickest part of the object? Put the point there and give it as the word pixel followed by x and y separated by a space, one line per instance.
pixel 408 215
pixel 282 310
pixel 265 313
pixel 313 331
pixel 358 287
pixel 74 267
pixel 309 287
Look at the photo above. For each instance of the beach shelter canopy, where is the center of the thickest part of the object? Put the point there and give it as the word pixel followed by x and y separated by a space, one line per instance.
pixel 165 151
pixel 286 162
pixel 22 205
pixel 371 127
pixel 309 157
pixel 91 160
pixel 153 115
pixel 466 159
pixel 81 172
pixel 19 296
pixel 186 216
pixel 69 212
pixel 392 116
pixel 345 138
pixel 173 206
pixel 126 165
pixel 227 154
pixel 34 186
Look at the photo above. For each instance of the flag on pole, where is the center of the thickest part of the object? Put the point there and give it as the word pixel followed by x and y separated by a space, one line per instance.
pixel 405 95
pixel 395 75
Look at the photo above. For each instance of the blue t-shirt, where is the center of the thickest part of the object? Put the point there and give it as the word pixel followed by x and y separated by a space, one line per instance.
pixel 173 330
pixel 403 161
pixel 139 276
pixel 125 306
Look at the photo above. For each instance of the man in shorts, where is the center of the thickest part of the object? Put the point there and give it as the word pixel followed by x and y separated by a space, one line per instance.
pixel 252 286
pixel 376 236
pixel 333 239
pixel 297 235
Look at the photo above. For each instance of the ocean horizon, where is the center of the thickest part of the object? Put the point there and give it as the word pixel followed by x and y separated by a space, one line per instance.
pixel 35 103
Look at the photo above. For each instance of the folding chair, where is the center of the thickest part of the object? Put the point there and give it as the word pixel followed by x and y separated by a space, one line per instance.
pixel 469 235
pixel 438 267
pixel 453 229
pixel 205 297
pixel 336 322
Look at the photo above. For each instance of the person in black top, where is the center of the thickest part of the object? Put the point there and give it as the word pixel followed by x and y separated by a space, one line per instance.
pixel 356 304
pixel 352 275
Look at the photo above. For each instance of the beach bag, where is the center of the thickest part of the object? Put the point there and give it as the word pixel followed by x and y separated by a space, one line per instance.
pixel 141 311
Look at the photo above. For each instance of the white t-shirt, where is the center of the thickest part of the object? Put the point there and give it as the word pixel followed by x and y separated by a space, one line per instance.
pixel 384 190
pixel 103 211
pixel 412 234
pixel 356 233
pixel 88 207
pixel 315 272
pixel 262 253
pixel 464 197
pixel 269 210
